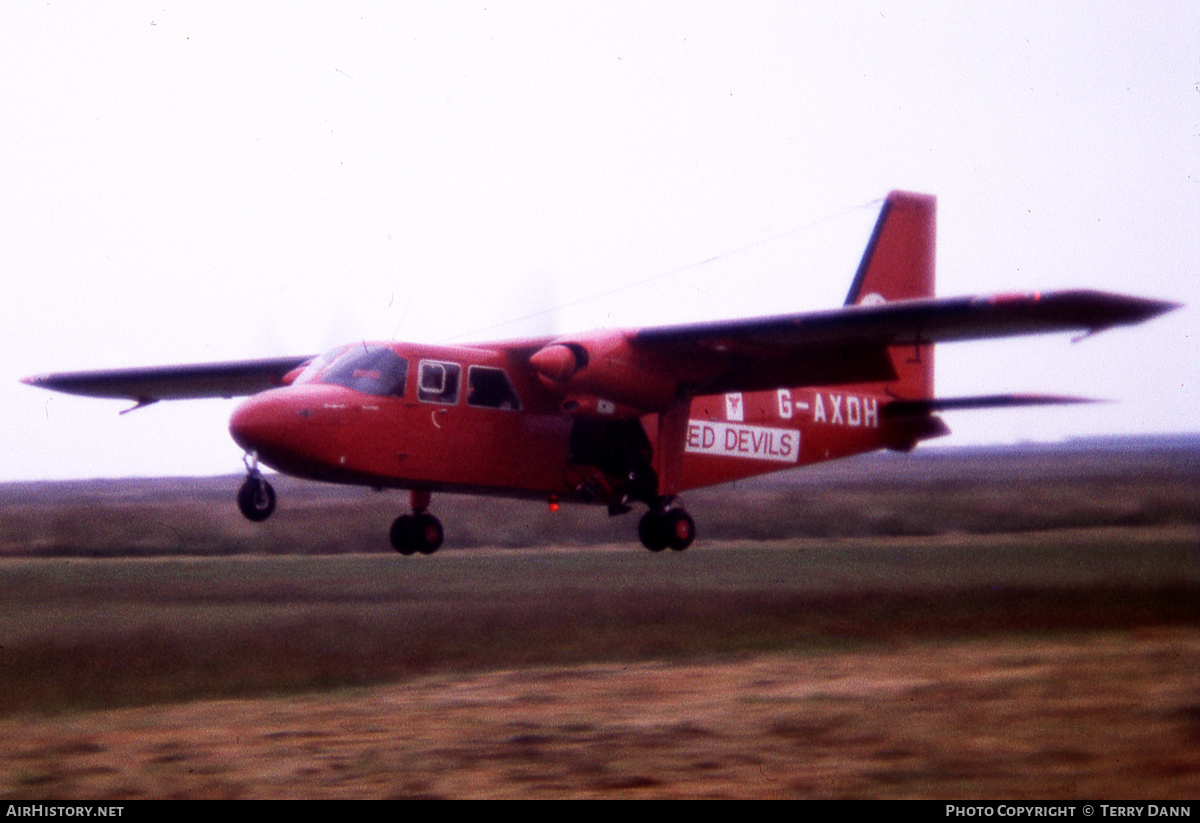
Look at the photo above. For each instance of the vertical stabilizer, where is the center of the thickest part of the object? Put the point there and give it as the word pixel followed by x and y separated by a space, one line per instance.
pixel 899 264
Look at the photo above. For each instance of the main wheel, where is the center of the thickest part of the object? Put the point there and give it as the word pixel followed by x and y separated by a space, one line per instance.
pixel 659 530
pixel 403 535
pixel 679 529
pixel 256 499
pixel 427 531
pixel 650 531
pixel 412 533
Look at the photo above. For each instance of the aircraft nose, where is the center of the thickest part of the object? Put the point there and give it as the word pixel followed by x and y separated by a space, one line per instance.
pixel 293 429
pixel 258 424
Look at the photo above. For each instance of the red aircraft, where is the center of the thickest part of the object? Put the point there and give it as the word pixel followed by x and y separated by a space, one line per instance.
pixel 617 417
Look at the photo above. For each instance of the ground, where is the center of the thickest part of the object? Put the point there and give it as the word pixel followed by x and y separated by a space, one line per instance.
pixel 1106 715
pixel 971 624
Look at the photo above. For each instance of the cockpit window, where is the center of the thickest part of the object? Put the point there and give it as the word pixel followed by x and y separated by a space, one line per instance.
pixel 317 365
pixel 489 388
pixel 369 369
pixel 438 382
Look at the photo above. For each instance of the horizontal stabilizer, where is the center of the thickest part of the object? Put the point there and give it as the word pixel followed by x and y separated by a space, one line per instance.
pixel 917 408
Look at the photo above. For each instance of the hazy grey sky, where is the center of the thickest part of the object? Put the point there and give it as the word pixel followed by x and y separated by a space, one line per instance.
pixel 211 181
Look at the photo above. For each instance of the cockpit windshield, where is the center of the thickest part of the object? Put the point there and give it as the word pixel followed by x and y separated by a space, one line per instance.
pixel 318 364
pixel 369 369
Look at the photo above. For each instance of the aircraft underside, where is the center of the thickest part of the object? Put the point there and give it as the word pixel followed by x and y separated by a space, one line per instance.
pixel 610 463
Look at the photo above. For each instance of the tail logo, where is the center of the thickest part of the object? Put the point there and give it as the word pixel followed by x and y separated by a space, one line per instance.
pixel 872 299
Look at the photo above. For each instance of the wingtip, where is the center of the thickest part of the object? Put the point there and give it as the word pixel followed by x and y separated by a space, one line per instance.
pixel 1147 308
pixel 1162 307
pixel 1130 311
pixel 1097 311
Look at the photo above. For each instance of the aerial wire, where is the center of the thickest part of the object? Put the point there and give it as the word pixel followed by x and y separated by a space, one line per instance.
pixel 774 238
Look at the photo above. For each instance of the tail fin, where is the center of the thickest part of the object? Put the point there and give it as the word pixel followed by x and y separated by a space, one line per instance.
pixel 899 265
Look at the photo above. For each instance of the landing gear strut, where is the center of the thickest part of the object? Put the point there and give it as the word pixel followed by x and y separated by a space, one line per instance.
pixel 419 531
pixel 256 498
pixel 663 528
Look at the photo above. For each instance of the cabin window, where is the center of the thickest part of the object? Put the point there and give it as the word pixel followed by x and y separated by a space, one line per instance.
pixel 438 382
pixel 489 388
pixel 369 369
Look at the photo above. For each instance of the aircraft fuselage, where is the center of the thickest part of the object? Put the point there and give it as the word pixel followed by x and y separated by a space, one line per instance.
pixel 425 433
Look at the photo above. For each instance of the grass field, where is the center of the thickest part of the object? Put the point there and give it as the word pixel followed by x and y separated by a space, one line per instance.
pixel 895 640
pixel 95 633
pixel 1085 484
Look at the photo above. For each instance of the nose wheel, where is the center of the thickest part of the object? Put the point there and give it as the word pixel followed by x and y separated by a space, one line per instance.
pixel 256 498
pixel 419 531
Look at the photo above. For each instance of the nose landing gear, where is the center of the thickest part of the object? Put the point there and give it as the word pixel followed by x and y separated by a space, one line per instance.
pixel 419 531
pixel 256 498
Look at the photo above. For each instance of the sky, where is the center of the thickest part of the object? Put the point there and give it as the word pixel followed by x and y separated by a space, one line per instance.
pixel 190 182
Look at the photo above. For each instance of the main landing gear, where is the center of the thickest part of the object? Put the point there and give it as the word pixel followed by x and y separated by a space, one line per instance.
pixel 663 528
pixel 419 531
pixel 256 498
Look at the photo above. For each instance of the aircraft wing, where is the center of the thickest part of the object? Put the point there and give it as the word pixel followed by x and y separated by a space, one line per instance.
pixel 147 385
pixel 849 344
pixel 911 322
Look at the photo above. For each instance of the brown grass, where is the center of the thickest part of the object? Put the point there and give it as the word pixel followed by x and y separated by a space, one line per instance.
pixel 1111 715
pixel 950 627
pixel 94 633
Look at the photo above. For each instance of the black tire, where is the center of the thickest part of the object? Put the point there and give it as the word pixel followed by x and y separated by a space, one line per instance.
pixel 403 535
pixel 427 533
pixel 256 499
pixel 650 531
pixel 679 530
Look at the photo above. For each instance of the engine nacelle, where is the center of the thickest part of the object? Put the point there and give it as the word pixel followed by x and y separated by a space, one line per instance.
pixel 604 366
